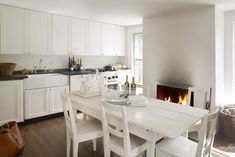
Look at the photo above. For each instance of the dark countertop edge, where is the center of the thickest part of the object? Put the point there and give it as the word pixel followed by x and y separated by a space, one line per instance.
pixel 17 75
pixel 67 71
pixel 13 77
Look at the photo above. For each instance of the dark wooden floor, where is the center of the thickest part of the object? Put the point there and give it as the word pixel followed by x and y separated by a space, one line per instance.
pixel 48 139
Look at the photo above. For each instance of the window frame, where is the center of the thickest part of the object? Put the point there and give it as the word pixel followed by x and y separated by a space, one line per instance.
pixel 229 57
pixel 133 59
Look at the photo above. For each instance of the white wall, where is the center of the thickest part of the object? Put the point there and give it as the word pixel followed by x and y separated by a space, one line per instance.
pixel 180 49
pixel 58 62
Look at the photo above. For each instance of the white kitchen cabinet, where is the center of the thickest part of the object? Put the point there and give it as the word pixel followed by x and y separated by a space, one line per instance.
pixel 11 96
pixel 75 82
pixel 120 41
pixel 42 94
pixel 107 40
pixel 13 30
pixel 44 101
pixel 60 35
pixel 78 36
pixel 37 103
pixel 93 37
pixel 39 33
pixel 56 102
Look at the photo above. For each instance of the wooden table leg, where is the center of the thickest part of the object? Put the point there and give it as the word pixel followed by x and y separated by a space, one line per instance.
pixel 151 149
pixel 152 138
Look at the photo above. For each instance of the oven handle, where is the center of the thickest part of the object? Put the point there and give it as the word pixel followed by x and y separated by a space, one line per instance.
pixel 112 83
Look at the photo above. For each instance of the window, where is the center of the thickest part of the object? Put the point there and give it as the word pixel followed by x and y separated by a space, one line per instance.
pixel 229 59
pixel 138 58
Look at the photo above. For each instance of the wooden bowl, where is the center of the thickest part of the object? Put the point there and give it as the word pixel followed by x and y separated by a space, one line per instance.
pixel 7 69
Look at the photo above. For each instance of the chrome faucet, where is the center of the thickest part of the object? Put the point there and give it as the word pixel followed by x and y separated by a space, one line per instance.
pixel 35 69
pixel 40 64
pixel 45 69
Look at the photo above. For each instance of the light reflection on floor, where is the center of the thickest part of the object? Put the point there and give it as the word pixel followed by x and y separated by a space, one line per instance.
pixel 219 153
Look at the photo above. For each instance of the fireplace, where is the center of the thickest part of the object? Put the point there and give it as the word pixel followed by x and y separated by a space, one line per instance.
pixel 173 94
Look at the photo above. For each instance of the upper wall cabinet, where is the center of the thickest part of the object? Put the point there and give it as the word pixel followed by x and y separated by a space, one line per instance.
pixel 25 31
pixel 13 30
pixel 39 33
pixel 78 36
pixel 60 35
pixel 107 40
pixel 120 41
pixel 93 38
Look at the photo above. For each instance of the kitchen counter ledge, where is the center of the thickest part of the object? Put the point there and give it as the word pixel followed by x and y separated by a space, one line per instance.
pixel 13 77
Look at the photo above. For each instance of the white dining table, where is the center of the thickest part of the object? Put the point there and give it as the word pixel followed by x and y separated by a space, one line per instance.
pixel 157 120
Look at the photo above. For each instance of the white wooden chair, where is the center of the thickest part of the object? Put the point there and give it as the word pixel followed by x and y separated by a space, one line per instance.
pixel 199 100
pixel 119 141
pixel 79 131
pixel 183 147
pixel 199 97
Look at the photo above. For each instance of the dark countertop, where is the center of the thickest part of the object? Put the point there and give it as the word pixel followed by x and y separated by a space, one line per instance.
pixel 19 76
pixel 13 77
pixel 60 71
pixel 77 72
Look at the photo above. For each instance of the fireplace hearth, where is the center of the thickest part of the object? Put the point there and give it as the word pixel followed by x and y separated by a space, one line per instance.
pixel 173 94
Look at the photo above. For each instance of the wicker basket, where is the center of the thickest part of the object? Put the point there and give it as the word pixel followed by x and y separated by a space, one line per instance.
pixel 227 121
pixel 7 69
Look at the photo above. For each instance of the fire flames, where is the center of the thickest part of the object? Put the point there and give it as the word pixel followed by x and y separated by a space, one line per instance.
pixel 182 99
pixel 168 98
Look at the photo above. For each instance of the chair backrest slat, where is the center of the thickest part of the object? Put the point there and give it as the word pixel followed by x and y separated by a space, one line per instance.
pixel 206 134
pixel 115 132
pixel 119 130
pixel 69 115
pixel 199 97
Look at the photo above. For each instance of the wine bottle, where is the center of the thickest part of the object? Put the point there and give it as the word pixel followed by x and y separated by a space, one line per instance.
pixel 126 86
pixel 133 86
pixel 69 62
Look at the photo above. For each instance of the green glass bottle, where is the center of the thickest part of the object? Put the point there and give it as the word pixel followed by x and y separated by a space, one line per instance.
pixel 133 86
pixel 126 86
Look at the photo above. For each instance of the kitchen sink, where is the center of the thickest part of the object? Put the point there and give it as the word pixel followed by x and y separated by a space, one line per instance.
pixel 45 80
pixel 42 75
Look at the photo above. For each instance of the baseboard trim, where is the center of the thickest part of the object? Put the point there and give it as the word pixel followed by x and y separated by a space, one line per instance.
pixel 39 119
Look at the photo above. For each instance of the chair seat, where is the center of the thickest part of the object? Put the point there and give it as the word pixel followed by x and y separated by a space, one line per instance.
pixel 177 147
pixel 89 129
pixel 138 145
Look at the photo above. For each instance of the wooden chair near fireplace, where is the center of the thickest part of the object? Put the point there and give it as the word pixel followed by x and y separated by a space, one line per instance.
pixel 183 147
pixel 196 98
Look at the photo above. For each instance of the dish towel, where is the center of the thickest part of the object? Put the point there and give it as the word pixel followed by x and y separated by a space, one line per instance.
pixel 137 101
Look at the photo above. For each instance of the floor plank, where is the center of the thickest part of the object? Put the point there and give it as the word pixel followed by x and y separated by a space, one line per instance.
pixel 48 139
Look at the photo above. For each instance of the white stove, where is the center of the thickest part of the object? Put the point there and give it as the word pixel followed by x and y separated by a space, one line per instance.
pixel 110 79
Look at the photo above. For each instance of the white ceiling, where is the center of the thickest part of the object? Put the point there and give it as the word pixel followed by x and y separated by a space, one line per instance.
pixel 120 12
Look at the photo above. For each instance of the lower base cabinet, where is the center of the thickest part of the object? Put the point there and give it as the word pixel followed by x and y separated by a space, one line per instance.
pixel 56 102
pixel 11 97
pixel 75 82
pixel 42 102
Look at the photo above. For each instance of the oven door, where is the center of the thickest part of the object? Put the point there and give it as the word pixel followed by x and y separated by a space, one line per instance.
pixel 113 85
